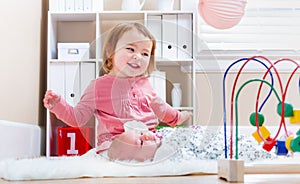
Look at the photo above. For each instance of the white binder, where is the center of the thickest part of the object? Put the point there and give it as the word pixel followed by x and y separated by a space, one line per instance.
pixel 97 5
pixel 62 5
pixel 72 78
pixel 79 5
pixel 158 81
pixel 87 73
pixel 185 36
pixel 169 35
pixel 70 5
pixel 87 5
pixel 154 25
pixel 57 76
pixel 53 5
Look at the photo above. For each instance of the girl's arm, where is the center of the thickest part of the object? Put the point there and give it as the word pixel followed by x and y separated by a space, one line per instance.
pixel 81 113
pixel 167 114
pixel 162 110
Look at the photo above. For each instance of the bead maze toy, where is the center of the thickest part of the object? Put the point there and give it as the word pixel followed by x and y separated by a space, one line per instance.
pixel 231 169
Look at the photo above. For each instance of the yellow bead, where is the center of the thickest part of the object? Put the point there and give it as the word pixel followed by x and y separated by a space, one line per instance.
pixel 288 142
pixel 296 117
pixel 264 132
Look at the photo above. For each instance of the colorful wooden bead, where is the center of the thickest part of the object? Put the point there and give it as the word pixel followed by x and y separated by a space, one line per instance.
pixel 288 109
pixel 281 148
pixel 261 119
pixel 269 144
pixel 298 132
pixel 264 132
pixel 288 142
pixel 296 117
pixel 295 144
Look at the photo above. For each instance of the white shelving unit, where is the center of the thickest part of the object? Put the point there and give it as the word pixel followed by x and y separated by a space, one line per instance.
pixel 173 30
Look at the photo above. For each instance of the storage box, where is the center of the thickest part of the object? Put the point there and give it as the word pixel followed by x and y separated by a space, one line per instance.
pixel 73 140
pixel 73 51
pixel 19 140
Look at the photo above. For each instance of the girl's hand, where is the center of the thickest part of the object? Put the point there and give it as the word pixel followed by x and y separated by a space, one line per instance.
pixel 50 99
pixel 184 116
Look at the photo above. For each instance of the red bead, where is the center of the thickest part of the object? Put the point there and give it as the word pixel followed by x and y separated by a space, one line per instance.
pixel 269 144
pixel 73 140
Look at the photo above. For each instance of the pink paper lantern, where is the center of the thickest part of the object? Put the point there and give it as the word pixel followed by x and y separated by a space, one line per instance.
pixel 222 14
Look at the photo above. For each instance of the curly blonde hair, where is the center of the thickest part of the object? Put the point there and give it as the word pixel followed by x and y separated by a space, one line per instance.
pixel 112 39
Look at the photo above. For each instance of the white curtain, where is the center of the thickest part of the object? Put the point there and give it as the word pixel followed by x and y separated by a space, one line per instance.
pixel 266 25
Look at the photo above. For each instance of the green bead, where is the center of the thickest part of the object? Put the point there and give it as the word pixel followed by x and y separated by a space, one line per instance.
pixel 288 109
pixel 295 144
pixel 298 132
pixel 261 119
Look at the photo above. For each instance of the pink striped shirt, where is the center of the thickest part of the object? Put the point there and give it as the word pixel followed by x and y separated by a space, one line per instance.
pixel 114 101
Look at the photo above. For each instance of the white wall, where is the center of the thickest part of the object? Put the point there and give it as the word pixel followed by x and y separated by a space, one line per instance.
pixel 210 104
pixel 22 35
pixel 20 49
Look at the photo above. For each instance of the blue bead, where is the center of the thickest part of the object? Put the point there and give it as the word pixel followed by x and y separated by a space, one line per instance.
pixel 280 148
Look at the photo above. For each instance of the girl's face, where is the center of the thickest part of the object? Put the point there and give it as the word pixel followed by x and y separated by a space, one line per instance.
pixel 131 145
pixel 132 55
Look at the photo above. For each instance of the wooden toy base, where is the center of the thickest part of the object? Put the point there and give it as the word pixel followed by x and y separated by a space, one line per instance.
pixel 231 170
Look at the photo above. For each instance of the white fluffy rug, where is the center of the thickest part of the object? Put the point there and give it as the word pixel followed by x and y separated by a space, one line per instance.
pixel 92 165
pixel 184 151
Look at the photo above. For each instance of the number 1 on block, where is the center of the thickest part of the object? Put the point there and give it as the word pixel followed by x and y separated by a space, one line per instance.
pixel 72 150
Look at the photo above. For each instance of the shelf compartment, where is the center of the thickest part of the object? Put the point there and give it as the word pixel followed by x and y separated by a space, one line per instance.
pixel 71 28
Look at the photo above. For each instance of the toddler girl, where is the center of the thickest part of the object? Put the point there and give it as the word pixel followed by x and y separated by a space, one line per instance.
pixel 123 94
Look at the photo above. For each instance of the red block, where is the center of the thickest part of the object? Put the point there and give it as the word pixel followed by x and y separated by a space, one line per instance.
pixel 73 140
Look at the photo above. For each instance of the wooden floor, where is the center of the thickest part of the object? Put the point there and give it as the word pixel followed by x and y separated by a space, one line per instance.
pixel 207 179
